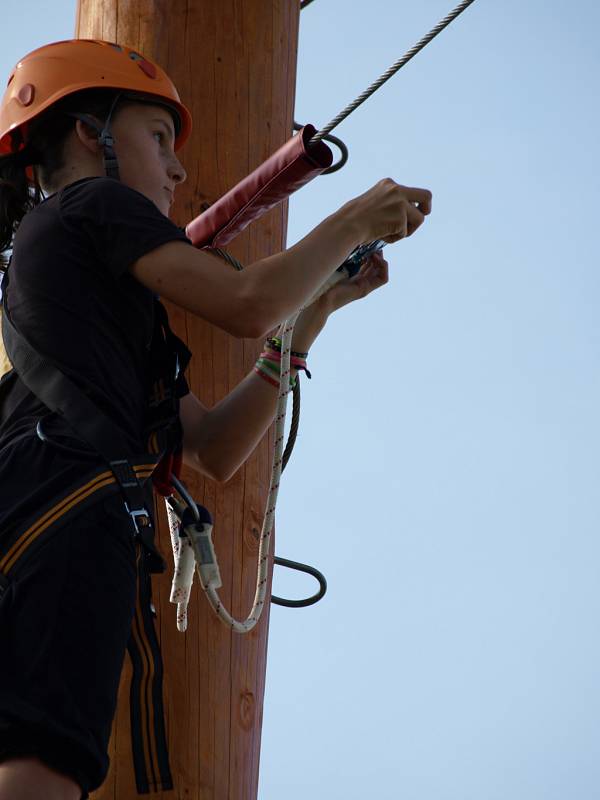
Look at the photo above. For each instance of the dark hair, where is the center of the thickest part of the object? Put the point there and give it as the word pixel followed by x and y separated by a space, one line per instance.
pixel 45 146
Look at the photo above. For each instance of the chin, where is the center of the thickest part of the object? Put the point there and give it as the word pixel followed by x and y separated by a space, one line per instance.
pixel 164 208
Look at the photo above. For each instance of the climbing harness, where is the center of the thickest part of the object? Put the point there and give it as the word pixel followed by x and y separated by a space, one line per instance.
pixel 63 397
pixel 41 79
pixel 122 472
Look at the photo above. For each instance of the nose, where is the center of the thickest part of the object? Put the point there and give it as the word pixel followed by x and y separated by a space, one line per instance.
pixel 177 173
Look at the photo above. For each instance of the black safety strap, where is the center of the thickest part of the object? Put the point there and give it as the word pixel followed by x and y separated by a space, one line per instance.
pixel 169 360
pixel 146 707
pixel 63 397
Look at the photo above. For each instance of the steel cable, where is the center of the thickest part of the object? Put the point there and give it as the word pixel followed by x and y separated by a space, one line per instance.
pixel 391 71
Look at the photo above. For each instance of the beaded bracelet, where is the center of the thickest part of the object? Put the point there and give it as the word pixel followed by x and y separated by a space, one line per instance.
pixel 273 351
pixel 269 370
pixel 295 361
pixel 275 344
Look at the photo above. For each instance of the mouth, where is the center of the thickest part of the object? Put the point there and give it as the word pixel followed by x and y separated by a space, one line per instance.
pixel 170 193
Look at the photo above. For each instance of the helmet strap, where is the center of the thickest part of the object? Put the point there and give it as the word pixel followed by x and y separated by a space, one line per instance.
pixel 105 139
pixel 111 165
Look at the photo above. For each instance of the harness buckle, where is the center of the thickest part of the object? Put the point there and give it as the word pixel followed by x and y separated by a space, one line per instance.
pixel 140 514
pixel 124 473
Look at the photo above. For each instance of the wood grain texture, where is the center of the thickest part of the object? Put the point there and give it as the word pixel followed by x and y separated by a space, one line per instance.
pixel 234 64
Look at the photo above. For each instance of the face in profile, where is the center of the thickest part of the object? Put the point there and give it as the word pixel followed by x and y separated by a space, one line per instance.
pixel 144 144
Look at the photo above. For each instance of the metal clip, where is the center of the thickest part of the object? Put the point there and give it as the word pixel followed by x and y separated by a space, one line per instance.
pixel 141 513
pixel 200 536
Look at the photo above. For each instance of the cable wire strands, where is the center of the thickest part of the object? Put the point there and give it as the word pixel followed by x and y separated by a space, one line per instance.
pixel 391 71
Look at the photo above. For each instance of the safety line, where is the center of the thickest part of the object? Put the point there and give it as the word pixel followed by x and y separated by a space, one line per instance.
pixel 187 553
pixel 391 71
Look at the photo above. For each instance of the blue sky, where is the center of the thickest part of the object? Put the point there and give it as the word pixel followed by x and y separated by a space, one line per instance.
pixel 445 478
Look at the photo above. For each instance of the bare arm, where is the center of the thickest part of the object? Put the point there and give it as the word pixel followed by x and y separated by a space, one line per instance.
pixel 218 441
pixel 252 302
pixel 256 300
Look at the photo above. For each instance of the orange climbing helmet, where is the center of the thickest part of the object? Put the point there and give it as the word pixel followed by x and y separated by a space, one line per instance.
pixel 57 70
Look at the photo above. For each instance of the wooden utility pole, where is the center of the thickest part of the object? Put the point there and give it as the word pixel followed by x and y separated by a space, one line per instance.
pixel 234 64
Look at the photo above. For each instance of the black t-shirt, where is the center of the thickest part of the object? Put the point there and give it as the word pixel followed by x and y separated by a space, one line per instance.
pixel 71 294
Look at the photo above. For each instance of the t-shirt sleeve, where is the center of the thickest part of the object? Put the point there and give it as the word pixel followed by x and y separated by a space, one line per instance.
pixel 119 223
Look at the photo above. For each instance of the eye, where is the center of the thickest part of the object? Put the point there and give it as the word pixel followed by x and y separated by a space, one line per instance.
pixel 161 134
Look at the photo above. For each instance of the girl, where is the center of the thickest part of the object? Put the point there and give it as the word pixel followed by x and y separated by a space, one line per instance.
pixel 88 170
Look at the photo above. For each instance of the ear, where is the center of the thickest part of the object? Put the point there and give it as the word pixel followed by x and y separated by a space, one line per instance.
pixel 87 136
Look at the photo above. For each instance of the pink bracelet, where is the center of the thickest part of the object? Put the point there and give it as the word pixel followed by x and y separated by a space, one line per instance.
pixel 265 376
pixel 269 370
pixel 295 361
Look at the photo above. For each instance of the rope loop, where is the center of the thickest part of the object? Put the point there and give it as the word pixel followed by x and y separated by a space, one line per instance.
pixel 308 601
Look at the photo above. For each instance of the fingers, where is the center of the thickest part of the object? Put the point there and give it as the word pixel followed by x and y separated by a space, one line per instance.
pixel 376 270
pixel 382 267
pixel 413 205
pixel 400 223
pixel 373 275
pixel 421 197
pixel 390 211
pixel 408 219
pixel 414 218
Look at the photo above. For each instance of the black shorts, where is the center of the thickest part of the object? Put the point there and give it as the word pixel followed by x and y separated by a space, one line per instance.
pixel 65 620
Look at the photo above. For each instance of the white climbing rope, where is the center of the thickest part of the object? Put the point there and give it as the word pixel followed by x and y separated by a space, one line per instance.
pixel 194 552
